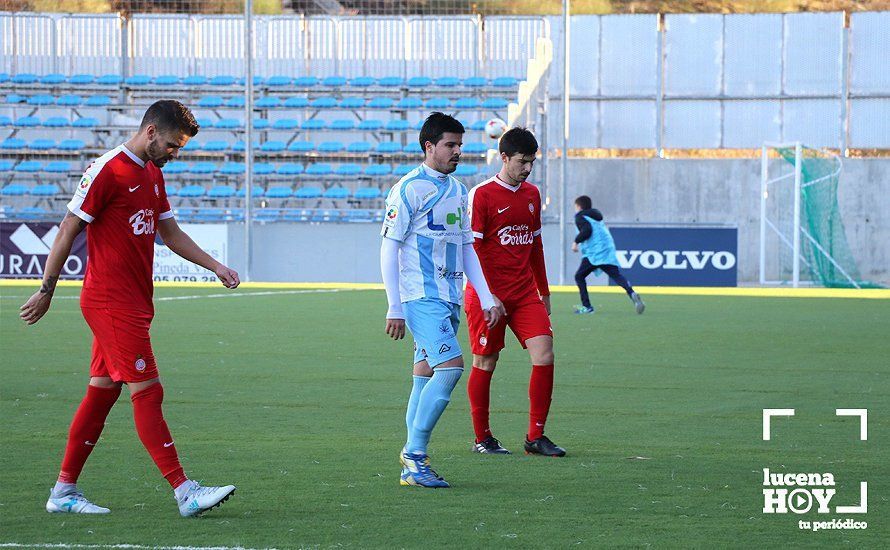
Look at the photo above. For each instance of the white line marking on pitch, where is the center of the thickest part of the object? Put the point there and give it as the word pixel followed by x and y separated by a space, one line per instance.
pixel 220 295
pixel 121 546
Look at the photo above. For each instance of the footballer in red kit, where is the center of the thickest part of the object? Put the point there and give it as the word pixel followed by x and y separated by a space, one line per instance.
pixel 505 217
pixel 122 203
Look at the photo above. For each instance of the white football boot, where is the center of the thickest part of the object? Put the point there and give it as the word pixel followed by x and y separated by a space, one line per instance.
pixel 198 499
pixel 73 503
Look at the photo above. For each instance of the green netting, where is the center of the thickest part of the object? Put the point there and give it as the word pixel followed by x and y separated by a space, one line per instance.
pixel 820 219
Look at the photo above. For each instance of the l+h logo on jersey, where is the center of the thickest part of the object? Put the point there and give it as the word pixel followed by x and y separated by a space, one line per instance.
pixel 452 218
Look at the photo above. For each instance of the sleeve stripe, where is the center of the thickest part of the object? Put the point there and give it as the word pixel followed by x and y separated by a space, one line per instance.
pixel 537 233
pixel 478 235
pixel 166 215
pixel 80 213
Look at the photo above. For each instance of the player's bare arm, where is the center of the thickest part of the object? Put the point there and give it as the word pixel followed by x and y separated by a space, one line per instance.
pixel 179 242
pixel 38 304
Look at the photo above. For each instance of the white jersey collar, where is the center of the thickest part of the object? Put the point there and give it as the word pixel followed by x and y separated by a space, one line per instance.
pixel 133 156
pixel 434 173
pixel 505 185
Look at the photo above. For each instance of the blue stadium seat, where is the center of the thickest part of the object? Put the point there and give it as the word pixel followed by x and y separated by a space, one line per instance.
pixel 348 169
pixel 334 81
pixel 323 103
pixel 185 214
pixel 42 144
pixel 204 122
pixel 479 125
pixel 98 101
pixel 52 79
pixel 57 167
pixel 210 102
pixel 171 189
pixel 263 168
pixel 268 102
pixel 56 122
pixel 358 147
pixel 195 80
pixel 326 216
pixel 296 102
pixel 370 124
pixel 6 165
pixel 358 215
pixel 336 193
pixel 109 80
pixel 362 81
pixel 377 170
pixel 380 103
pixel 279 192
pixel 28 166
pixel 475 82
pixel 32 212
pixel 210 214
pixel 319 169
pixel 193 145
pixel 192 192
pixel 13 143
pixel 42 99
pixel 342 124
pixel 85 122
pixel 69 100
pixel 495 103
pixel 505 82
pixel 45 190
pixel 81 79
pixel 166 80
pixel 419 82
pixel 412 147
pixel 227 123
pixel 221 192
pixel 466 170
pixel 15 190
pixel 438 103
pixel 24 78
pixel 410 103
pixel 138 80
pixel 296 214
pixel 313 124
pixel 4 77
pixel 72 144
pixel 273 146
pixel 467 103
pixel 474 147
pixel 305 81
pixel 390 81
pixel 261 123
pixel 290 169
pixel 235 101
pixel 255 191
pixel 367 193
pixel 398 125
pixel 5 120
pixel 301 147
pixel 27 121
pixel 216 145
pixel 15 98
pixel 352 103
pixel 279 80
pixel 402 169
pixel 330 147
pixel 223 80
pixel 176 168
pixel 447 82
pixel 307 193
pixel 285 124
pixel 239 146
pixel 232 168
pixel 267 215
pixel 202 168
pixel 389 147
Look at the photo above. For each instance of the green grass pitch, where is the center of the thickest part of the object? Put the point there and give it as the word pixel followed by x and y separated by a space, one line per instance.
pixel 299 398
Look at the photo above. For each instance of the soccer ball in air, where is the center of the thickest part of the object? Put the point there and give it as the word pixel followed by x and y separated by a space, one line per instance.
pixel 495 128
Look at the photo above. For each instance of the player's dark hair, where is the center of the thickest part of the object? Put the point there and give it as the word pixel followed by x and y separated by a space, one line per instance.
pixel 437 124
pixel 518 140
pixel 584 202
pixel 168 115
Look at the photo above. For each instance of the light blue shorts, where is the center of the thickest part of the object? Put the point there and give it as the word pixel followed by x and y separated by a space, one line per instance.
pixel 433 323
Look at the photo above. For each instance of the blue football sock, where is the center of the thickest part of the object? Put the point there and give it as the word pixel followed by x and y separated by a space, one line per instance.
pixel 419 384
pixel 433 400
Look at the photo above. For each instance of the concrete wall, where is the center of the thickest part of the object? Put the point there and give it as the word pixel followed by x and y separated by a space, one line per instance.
pixel 627 191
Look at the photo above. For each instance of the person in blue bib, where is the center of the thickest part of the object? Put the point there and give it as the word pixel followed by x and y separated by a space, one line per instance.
pixel 597 248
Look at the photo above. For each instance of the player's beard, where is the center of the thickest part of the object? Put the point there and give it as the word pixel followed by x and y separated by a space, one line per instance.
pixel 156 154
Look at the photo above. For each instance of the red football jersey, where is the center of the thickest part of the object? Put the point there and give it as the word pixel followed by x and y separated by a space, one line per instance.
pixel 122 198
pixel 506 222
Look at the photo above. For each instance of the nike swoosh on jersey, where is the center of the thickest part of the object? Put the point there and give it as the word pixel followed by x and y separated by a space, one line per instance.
pixel 134 188
pixel 502 210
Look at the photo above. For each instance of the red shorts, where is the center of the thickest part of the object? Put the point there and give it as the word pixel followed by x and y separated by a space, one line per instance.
pixel 527 317
pixel 121 345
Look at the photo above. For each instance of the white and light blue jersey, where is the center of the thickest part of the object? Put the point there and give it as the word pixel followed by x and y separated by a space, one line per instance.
pixel 427 213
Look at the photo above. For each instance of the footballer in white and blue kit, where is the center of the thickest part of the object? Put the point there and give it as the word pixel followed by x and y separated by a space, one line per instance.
pixel 426 251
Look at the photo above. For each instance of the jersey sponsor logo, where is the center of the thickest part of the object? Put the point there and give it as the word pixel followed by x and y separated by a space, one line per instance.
pixel 143 222
pixel 516 235
pixel 452 218
pixel 443 273
pixel 676 259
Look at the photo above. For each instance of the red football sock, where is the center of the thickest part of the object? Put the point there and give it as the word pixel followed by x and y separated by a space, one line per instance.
pixel 85 429
pixel 155 436
pixel 478 390
pixel 540 390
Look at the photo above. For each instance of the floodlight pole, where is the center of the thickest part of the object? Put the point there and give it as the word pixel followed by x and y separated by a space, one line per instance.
pixel 564 165
pixel 764 174
pixel 795 274
pixel 248 134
